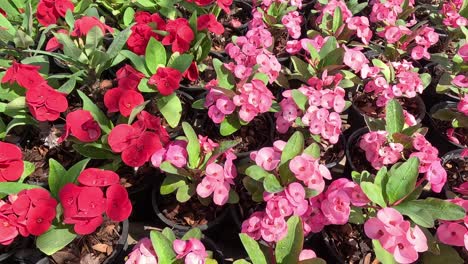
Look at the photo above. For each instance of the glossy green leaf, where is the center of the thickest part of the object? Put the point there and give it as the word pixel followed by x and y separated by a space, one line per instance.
pixel 171 108
pixel 54 240
pixel 288 249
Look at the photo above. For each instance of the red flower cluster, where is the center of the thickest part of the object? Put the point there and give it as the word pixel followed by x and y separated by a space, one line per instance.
pixel 11 162
pixel 126 96
pixel 53 44
pixel 223 4
pixel 81 124
pixel 84 205
pixel 28 212
pixel 44 102
pixel 49 11
pixel 137 142
pixel 180 35
pixel 142 31
pixel 166 79
pixel 192 72
pixel 85 24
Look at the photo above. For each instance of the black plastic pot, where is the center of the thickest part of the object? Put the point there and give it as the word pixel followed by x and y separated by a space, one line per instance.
pixel 211 245
pixel 452 155
pixel 352 143
pixel 444 141
pixel 342 142
pixel 156 197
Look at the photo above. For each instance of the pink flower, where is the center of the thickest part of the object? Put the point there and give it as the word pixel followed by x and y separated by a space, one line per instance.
pixel 362 27
pixel 463 52
pixel 142 253
pixel 177 153
pixel 354 59
pixel 292 21
pixel 336 208
pixel 273 230
pixel 307 254
pixel 267 158
pixel 452 234
pixel 253 224
pixel 437 176
pixel 192 250
pixel 420 52
pixel 460 81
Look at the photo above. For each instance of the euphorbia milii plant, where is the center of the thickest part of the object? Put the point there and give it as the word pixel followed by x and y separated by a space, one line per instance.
pixel 200 166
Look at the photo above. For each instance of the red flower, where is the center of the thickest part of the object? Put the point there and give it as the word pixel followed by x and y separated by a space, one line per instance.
pixel 128 78
pixel 208 21
pixel 192 72
pixel 81 124
pixel 91 202
pixel 98 177
pixel 40 219
pixel 48 11
pixel 85 24
pixel 166 79
pixel 85 226
pixel 201 2
pixel 225 5
pixel 8 230
pixel 27 76
pixel 118 99
pixel 11 162
pixel 53 44
pixel 45 103
pixel 136 145
pixel 68 197
pixel 119 206
pixel 180 35
pixel 142 31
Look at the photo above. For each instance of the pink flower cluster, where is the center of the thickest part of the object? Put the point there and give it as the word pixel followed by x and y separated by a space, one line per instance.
pixel 192 250
pixel 455 233
pixel 330 8
pixel 429 162
pixel 396 235
pixel 452 17
pixel 310 172
pixel 322 115
pixel 270 225
pixel 175 153
pixel 268 157
pixel 252 98
pixel 378 151
pixel 292 21
pixel 218 180
pixel 295 46
pixel 462 106
pixel 251 50
pixel 407 84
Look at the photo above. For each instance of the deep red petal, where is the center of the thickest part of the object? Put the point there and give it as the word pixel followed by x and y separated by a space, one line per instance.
pixel 98 177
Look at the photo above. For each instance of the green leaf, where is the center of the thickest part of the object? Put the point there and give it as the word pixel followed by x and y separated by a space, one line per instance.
pixel 166 166
pixel 253 249
pixel 128 16
pixel 229 125
pixel 184 193
pixel 6 25
pixel 69 47
pixel 447 255
pixel 193 146
pixel 155 55
pixel 313 150
pixel 374 193
pixel 337 19
pixel 288 249
pixel 181 62
pixel 56 177
pixel 105 124
pixel 233 197
pixel 15 187
pixel 223 75
pixel 199 104
pixel 384 69
pixel 54 240
pixel 93 39
pixel 20 121
pixel 75 170
pixel 394 117
pixel 118 43
pixel 418 215
pixel 241 261
pixel 22 40
pixel 329 46
pixel 293 148
pixel 171 108
pixel 29 168
pixel 271 184
pixel 137 61
pixel 464 9
pixel 94 151
pixel 163 246
pixel 437 208
pixel 256 172
pixel 39 60
pixel 136 111
pixel 169 234
pixel 300 99
pixel 301 67
pixel 193 233
pixel 171 183
pixel 313 261
pixel 382 255
pixel 426 79
pixel 402 179
pixel 68 86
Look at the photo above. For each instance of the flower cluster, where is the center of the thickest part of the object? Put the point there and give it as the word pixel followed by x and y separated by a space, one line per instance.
pixel 380 152
pixel 137 142
pixel 292 21
pixel 218 180
pixel 192 250
pixel 452 18
pixel 396 235
pixel 49 11
pixel 322 114
pixel 81 124
pixel 142 253
pixel 30 212
pixel 455 233
pixel 166 80
pixel 308 170
pixel 84 205
pixel 252 98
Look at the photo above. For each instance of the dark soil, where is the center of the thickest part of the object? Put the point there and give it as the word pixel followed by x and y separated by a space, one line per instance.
pixel 460 133
pixel 190 213
pixel 240 12
pixel 91 249
pixel 350 243
pixel 205 76
pixel 457 172
pixel 366 105
pixel 359 161
pixel 129 178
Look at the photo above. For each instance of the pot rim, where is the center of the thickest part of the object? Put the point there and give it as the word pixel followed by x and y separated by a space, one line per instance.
pixel 434 108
